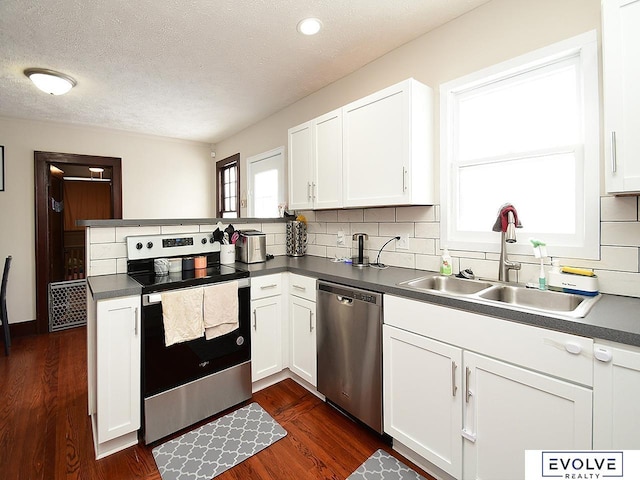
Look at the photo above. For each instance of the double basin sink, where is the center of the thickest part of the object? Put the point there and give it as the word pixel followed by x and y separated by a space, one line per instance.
pixel 515 297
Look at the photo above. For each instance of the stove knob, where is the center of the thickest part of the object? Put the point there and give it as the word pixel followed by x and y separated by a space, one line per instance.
pixel 138 246
pixel 149 244
pixel 203 241
pixel 211 240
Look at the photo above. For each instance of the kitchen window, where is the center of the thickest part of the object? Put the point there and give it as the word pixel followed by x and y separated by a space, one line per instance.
pixel 525 132
pixel 228 176
pixel 266 184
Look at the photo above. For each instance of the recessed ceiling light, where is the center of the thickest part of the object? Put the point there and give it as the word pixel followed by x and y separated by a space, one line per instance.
pixel 309 26
pixel 49 81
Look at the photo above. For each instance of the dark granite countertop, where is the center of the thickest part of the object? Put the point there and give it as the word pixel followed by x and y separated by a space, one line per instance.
pixel 614 318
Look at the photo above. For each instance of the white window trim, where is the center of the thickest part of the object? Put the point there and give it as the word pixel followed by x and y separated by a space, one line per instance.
pixel 281 182
pixel 585 46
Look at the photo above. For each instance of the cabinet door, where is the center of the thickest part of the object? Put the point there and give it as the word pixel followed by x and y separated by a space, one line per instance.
pixel 303 360
pixel 616 389
pixel 118 367
pixel 300 166
pixel 509 410
pixel 376 137
pixel 266 337
pixel 422 397
pixel 326 187
pixel 621 76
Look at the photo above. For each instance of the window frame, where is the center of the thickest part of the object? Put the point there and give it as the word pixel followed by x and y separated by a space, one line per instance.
pixel 221 167
pixel 586 242
pixel 278 155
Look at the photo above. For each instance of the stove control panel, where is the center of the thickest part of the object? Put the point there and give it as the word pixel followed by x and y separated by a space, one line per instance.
pixel 140 247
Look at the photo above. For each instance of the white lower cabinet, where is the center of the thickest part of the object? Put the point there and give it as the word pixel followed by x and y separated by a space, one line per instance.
pixel 302 313
pixel 470 393
pixel 508 410
pixel 266 326
pixel 422 398
pixel 114 343
pixel 616 390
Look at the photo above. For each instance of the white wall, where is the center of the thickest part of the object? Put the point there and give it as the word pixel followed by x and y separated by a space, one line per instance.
pixel 162 178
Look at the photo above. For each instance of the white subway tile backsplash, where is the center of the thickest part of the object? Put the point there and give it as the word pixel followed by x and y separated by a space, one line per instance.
pixel 316 227
pixel 370 229
pixel 380 215
pixel 405 260
pixel 277 250
pixel 481 268
pixel 123 232
pixel 169 229
pixel 428 230
pixel 334 227
pixel 121 265
pixel 100 251
pixel 310 215
pixel 102 267
pixel 428 262
pixel 274 227
pixel 316 250
pixel 619 283
pixel 618 209
pixel 327 216
pixel 620 233
pixel 416 214
pixel 422 246
pixel 355 215
pixel 326 239
pixel 338 252
pixel 624 259
pixel 393 229
pixel 102 235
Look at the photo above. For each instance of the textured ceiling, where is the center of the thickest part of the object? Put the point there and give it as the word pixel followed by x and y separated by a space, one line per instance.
pixel 194 69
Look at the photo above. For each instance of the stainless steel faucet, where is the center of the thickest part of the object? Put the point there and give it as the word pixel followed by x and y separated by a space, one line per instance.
pixel 508 236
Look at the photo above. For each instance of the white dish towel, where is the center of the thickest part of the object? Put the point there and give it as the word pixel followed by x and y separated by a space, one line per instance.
pixel 182 315
pixel 220 309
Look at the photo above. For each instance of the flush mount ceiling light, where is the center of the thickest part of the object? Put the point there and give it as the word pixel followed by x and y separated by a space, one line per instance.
pixel 309 26
pixel 49 81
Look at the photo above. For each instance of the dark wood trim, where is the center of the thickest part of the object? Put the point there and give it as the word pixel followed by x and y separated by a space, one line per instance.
pixel 219 166
pixel 23 329
pixel 42 160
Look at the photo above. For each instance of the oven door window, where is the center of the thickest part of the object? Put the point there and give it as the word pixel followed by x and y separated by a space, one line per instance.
pixel 169 367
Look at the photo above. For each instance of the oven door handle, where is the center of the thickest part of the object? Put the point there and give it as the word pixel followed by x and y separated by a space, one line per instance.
pixel 153 298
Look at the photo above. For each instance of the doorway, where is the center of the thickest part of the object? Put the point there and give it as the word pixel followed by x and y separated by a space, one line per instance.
pixel 67 191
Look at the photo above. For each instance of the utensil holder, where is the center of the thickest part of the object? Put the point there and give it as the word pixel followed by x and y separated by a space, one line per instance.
pixel 227 254
pixel 296 239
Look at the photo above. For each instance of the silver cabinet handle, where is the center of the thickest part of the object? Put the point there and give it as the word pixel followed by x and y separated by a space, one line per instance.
pixel 313 189
pixel 310 322
pixel 299 287
pixel 255 319
pixel 614 148
pixel 404 179
pixel 454 387
pixel 308 190
pixel 467 389
pixel 469 436
pixel 264 287
pixel 135 324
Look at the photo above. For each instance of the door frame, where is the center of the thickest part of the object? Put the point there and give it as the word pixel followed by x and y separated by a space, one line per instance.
pixel 42 160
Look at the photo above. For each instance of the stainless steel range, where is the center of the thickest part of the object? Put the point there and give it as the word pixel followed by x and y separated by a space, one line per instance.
pixel 188 381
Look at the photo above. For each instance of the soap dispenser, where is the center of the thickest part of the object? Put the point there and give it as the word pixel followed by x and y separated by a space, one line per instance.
pixel 445 263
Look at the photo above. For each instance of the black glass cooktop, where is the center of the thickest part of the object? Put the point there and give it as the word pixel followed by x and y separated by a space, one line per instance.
pixel 187 278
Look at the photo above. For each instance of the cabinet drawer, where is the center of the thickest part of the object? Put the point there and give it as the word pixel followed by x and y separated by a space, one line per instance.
pixel 303 287
pixel 266 286
pixel 548 351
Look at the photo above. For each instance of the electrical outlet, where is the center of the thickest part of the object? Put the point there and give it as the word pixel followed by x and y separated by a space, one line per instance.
pixel 340 239
pixel 403 243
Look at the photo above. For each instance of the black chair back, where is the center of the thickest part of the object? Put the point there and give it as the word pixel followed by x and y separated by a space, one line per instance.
pixel 3 305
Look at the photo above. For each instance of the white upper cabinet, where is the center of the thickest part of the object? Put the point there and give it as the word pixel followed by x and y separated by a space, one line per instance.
pixel 315 163
pixel 376 151
pixel 387 147
pixel 621 75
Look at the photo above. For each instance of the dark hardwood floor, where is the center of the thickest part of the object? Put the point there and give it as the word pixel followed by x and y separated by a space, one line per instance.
pixel 45 432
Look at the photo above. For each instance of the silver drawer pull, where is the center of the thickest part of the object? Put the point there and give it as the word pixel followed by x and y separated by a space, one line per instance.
pixel 255 319
pixel 467 389
pixel 454 387
pixel 299 287
pixel 264 287
pixel 614 152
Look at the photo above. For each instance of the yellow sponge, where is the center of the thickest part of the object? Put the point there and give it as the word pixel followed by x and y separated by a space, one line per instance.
pixel 578 271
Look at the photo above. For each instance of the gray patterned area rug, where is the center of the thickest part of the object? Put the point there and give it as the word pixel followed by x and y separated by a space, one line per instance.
pixel 207 451
pixel 382 466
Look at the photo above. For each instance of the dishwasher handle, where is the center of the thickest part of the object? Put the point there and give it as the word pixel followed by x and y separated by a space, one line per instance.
pixel 344 300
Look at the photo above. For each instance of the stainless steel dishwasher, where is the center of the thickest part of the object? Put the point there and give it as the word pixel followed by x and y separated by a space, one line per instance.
pixel 349 340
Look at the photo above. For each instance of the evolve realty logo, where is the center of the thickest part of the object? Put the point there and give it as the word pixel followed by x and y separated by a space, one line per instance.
pixel 581 465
